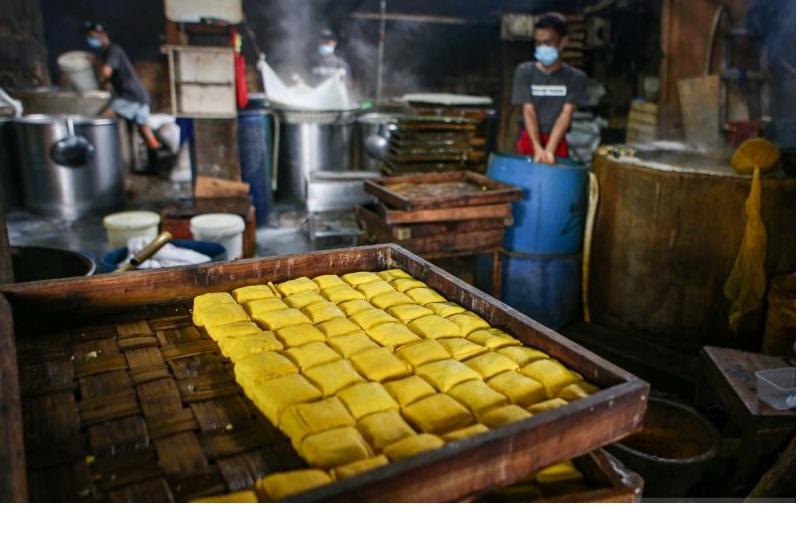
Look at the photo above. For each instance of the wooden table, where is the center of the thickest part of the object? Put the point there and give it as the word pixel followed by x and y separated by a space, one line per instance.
pixel 730 379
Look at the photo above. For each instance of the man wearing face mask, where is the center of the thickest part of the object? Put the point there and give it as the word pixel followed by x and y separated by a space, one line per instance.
pixel 131 101
pixel 327 63
pixel 549 92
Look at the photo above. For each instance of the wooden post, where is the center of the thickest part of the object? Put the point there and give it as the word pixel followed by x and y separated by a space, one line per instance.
pixel 13 483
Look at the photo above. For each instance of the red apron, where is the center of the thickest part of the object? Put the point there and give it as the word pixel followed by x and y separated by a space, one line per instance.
pixel 525 146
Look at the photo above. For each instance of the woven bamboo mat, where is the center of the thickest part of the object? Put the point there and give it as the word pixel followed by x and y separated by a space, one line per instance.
pixel 139 407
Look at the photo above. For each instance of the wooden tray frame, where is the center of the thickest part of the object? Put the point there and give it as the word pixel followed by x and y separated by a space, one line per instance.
pixel 496 192
pixel 494 459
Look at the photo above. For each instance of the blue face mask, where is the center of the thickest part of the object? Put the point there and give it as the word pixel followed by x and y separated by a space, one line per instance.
pixel 93 42
pixel 546 54
pixel 326 49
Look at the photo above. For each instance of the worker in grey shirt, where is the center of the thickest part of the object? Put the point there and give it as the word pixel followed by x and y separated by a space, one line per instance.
pixel 549 91
pixel 131 100
pixel 327 63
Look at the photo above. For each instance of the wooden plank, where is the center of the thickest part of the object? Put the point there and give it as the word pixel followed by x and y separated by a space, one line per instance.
pixel 446 243
pixel 699 99
pixel 13 482
pixel 392 216
pixel 432 190
pixel 401 232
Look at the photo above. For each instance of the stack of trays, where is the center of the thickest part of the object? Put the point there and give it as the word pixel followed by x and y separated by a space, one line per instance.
pixel 429 144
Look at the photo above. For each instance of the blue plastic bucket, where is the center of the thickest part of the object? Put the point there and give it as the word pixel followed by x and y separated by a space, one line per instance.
pixel 551 215
pixel 112 259
pixel 546 288
pixel 255 158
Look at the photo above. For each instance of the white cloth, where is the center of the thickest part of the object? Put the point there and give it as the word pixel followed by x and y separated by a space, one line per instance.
pixel 330 95
pixel 168 256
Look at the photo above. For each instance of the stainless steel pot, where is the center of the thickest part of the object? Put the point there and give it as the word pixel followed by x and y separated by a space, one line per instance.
pixel 312 140
pixel 69 164
pixel 374 133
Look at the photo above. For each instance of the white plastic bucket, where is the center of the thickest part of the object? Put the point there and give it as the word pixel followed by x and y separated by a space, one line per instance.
pixel 222 228
pixel 122 226
pixel 78 68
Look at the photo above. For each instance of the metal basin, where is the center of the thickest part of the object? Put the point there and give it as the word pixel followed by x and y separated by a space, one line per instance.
pixel 36 263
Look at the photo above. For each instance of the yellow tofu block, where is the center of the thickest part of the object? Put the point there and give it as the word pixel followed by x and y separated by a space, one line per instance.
pixel 217 315
pixel 359 278
pixel 384 428
pixel 425 295
pixel 577 391
pixel 299 335
pixel 469 322
pixel 293 286
pixel 341 293
pixel 372 317
pixel 422 352
pixel 413 445
pixel 552 374
pixel 337 326
pixel 280 319
pixel 265 305
pixel 392 334
pixel 477 396
pixel 563 471
pixel 278 394
pixel 311 355
pixel 333 377
pixel 461 349
pixel 390 299
pixel 241 496
pixel 253 371
pixel 490 364
pixel 278 486
pixel 375 288
pixel 520 389
pixel 253 292
pixel 357 467
pixel 437 414
pixel 409 390
pixel 303 419
pixel 406 284
pixel 328 280
pixel 334 447
pixel 408 312
pixel 236 348
pixel 446 374
pixel 493 338
pixel 446 309
pixel 211 299
pixel 322 312
pixel 234 329
pixel 366 398
pixel 379 365
pixel 547 405
pixel 352 344
pixel 504 415
pixel 464 433
pixel 433 327
pixel 354 307
pixel 522 355
pixel 302 299
pixel 393 274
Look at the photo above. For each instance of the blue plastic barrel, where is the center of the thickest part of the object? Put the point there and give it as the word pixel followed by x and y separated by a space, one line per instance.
pixel 550 217
pixel 546 288
pixel 255 157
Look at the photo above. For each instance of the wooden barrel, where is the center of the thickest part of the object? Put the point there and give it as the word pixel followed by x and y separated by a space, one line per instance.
pixel 665 241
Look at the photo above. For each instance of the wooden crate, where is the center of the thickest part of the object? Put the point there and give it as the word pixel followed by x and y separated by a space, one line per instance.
pixel 90 310
pixel 441 190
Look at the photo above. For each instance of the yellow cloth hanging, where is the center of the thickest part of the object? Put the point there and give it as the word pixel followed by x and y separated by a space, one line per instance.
pixel 747 282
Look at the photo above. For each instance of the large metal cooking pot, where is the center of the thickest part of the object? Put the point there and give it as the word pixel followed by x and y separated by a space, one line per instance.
pixel 69 164
pixel 56 101
pixel 312 140
pixel 36 263
pixel 374 133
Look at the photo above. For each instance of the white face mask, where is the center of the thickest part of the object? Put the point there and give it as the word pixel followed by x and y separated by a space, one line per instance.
pixel 326 49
